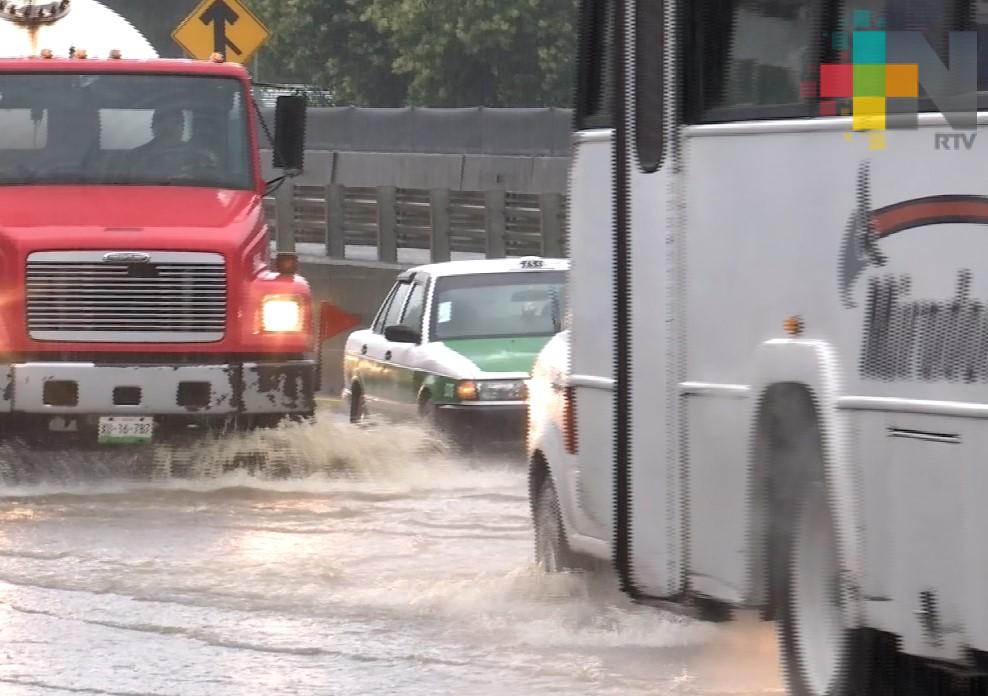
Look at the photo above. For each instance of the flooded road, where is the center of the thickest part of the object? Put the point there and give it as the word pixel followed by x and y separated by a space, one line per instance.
pixel 403 573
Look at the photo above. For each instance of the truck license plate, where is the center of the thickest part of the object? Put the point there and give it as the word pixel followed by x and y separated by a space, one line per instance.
pixel 125 430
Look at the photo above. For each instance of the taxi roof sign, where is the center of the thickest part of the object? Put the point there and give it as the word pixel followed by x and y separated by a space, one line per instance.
pixel 482 266
pixel 227 27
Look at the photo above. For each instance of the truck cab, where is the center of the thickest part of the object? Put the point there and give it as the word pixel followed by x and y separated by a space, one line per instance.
pixel 139 294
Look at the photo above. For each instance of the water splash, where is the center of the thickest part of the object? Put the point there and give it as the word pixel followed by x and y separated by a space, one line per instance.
pixel 327 448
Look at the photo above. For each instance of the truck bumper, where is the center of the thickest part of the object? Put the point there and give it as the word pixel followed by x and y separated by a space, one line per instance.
pixel 75 388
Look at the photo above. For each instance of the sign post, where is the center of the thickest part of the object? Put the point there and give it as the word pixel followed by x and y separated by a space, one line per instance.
pixel 227 27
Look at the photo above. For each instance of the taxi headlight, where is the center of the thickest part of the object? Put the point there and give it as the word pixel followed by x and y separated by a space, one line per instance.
pixel 281 314
pixel 493 390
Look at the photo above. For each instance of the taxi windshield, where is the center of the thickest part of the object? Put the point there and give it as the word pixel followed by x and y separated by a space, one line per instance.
pixel 499 305
pixel 124 129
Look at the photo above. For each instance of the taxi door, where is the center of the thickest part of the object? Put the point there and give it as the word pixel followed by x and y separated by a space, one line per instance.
pixel 402 374
pixel 376 354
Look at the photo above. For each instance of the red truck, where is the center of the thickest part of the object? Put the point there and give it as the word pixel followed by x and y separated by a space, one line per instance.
pixel 139 299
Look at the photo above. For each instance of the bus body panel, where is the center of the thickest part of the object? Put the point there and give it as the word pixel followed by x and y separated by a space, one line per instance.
pixel 592 306
pixel 719 427
pixel 738 295
pixel 787 250
pixel 657 491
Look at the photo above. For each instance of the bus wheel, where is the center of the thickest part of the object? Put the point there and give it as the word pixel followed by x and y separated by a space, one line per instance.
pixel 552 551
pixel 821 656
pixel 15 467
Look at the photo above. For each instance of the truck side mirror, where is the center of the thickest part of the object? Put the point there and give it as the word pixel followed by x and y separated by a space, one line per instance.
pixel 289 133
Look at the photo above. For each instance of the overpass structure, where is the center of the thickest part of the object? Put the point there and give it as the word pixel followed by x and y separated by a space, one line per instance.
pixel 412 185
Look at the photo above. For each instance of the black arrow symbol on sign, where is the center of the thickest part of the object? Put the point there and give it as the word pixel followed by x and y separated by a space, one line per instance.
pixel 220 15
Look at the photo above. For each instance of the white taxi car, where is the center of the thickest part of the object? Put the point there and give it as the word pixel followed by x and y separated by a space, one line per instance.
pixel 454 343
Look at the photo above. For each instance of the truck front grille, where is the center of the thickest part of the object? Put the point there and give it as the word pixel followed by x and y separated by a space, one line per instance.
pixel 174 297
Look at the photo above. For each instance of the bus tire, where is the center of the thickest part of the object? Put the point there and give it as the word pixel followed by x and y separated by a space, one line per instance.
pixel 820 655
pixel 817 652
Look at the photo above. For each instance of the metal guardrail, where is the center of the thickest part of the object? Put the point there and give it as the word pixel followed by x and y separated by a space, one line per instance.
pixel 266 95
pixel 493 223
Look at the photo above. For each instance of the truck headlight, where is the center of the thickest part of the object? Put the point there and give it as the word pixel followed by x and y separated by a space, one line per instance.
pixel 492 390
pixel 281 314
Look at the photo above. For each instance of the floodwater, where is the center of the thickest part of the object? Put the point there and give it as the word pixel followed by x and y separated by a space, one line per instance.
pixel 386 567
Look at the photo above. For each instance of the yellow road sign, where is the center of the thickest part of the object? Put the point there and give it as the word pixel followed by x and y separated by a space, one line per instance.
pixel 221 26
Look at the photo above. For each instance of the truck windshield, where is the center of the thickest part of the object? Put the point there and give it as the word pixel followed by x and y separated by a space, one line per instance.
pixel 498 305
pixel 137 129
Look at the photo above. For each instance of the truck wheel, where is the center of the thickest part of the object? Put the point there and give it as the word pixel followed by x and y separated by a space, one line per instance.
pixel 162 457
pixel 11 465
pixel 552 551
pixel 283 463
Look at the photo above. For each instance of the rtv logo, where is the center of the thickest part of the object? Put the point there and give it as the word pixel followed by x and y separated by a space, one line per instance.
pixel 881 73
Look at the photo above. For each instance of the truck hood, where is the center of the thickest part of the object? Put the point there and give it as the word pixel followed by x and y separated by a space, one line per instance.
pixel 132 217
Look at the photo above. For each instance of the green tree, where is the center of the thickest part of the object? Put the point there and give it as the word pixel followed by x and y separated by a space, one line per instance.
pixel 424 52
pixel 329 43
pixel 482 52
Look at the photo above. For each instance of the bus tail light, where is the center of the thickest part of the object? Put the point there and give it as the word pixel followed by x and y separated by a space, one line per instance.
pixel 569 421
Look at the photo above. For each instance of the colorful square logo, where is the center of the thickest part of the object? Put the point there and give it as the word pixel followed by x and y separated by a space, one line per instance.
pixel 878 75
pixel 869 80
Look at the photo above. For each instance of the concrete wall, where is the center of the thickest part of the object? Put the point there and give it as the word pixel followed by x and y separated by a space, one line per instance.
pixel 516 174
pixel 539 132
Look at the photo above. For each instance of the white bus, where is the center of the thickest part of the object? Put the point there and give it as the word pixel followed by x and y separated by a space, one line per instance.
pixel 773 389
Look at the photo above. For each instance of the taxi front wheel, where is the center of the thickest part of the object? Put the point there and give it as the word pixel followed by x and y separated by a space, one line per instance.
pixel 460 440
pixel 357 405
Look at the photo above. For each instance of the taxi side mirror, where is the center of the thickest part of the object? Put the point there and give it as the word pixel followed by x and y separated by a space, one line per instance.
pixel 399 333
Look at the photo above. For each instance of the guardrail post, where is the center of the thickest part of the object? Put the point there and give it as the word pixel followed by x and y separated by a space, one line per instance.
pixel 285 217
pixel 495 222
pixel 439 215
pixel 387 224
pixel 550 208
pixel 335 237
